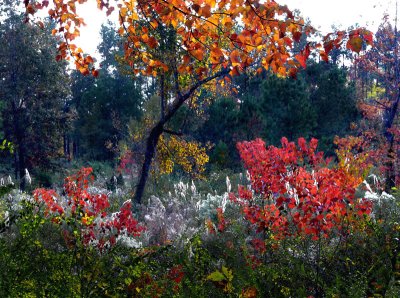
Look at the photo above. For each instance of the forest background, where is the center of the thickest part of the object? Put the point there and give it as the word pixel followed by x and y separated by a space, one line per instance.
pixel 154 172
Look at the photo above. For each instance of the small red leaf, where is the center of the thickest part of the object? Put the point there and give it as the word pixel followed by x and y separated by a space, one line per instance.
pixel 302 60
pixel 324 56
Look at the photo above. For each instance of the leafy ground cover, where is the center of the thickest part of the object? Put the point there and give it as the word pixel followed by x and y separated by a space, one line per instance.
pixel 297 226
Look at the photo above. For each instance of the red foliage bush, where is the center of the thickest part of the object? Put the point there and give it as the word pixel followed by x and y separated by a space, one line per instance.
pixel 296 192
pixel 87 213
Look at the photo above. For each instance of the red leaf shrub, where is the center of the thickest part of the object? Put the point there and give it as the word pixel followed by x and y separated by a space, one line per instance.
pixel 295 192
pixel 87 213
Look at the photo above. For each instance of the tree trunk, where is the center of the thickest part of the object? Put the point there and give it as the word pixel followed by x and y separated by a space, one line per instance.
pixel 391 114
pixel 151 146
pixel 65 143
pixel 75 148
pixel 20 150
pixel 21 164
pixel 158 129
pixel 392 155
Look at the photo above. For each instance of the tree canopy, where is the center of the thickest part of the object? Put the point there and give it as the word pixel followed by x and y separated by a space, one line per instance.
pixel 33 91
pixel 186 45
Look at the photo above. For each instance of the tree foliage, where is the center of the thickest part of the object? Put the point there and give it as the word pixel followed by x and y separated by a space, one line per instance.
pixel 320 103
pixel 104 106
pixel 187 45
pixel 33 91
pixel 378 75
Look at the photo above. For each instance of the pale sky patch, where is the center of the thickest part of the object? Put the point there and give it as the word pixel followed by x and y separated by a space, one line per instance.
pixel 343 13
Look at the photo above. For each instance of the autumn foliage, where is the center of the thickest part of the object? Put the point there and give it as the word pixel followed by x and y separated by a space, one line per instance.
pixel 188 45
pixel 207 39
pixel 85 216
pixel 295 191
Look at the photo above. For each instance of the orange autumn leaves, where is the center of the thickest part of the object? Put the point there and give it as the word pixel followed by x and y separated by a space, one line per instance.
pixel 209 35
pixel 68 26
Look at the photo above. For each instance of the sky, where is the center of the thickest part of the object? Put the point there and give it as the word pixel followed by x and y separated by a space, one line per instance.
pixel 322 13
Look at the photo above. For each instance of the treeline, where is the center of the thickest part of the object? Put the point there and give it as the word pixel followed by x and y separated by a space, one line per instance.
pixel 320 103
pixel 53 115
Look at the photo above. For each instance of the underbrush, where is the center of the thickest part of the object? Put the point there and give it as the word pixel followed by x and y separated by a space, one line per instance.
pixel 195 239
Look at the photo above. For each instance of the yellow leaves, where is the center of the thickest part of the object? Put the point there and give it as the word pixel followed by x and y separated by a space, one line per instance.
pixel 211 3
pixel 276 36
pixel 189 156
pixel 123 12
pixel 130 5
pixel 87 220
pixel 83 70
pixel 281 71
pixel 353 157
pixel 174 23
pixel 131 30
pixel 134 17
pixel 145 38
pixel 65 16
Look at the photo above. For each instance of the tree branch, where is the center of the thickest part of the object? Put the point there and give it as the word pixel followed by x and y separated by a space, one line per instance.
pixel 189 93
pixel 171 132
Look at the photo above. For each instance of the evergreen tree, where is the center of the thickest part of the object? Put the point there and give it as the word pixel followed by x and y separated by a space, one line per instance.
pixel 33 91
pixel 105 105
pixel 287 110
pixel 334 100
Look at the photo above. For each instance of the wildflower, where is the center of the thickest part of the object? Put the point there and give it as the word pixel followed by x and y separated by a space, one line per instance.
pixel 27 177
pixel 193 188
pixel 228 184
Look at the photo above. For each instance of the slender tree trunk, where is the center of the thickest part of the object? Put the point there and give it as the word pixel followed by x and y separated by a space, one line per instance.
pixel 21 158
pixel 65 141
pixel 15 165
pixel 391 155
pixel 151 146
pixel 158 129
pixel 75 147
pixel 19 138
pixel 390 116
